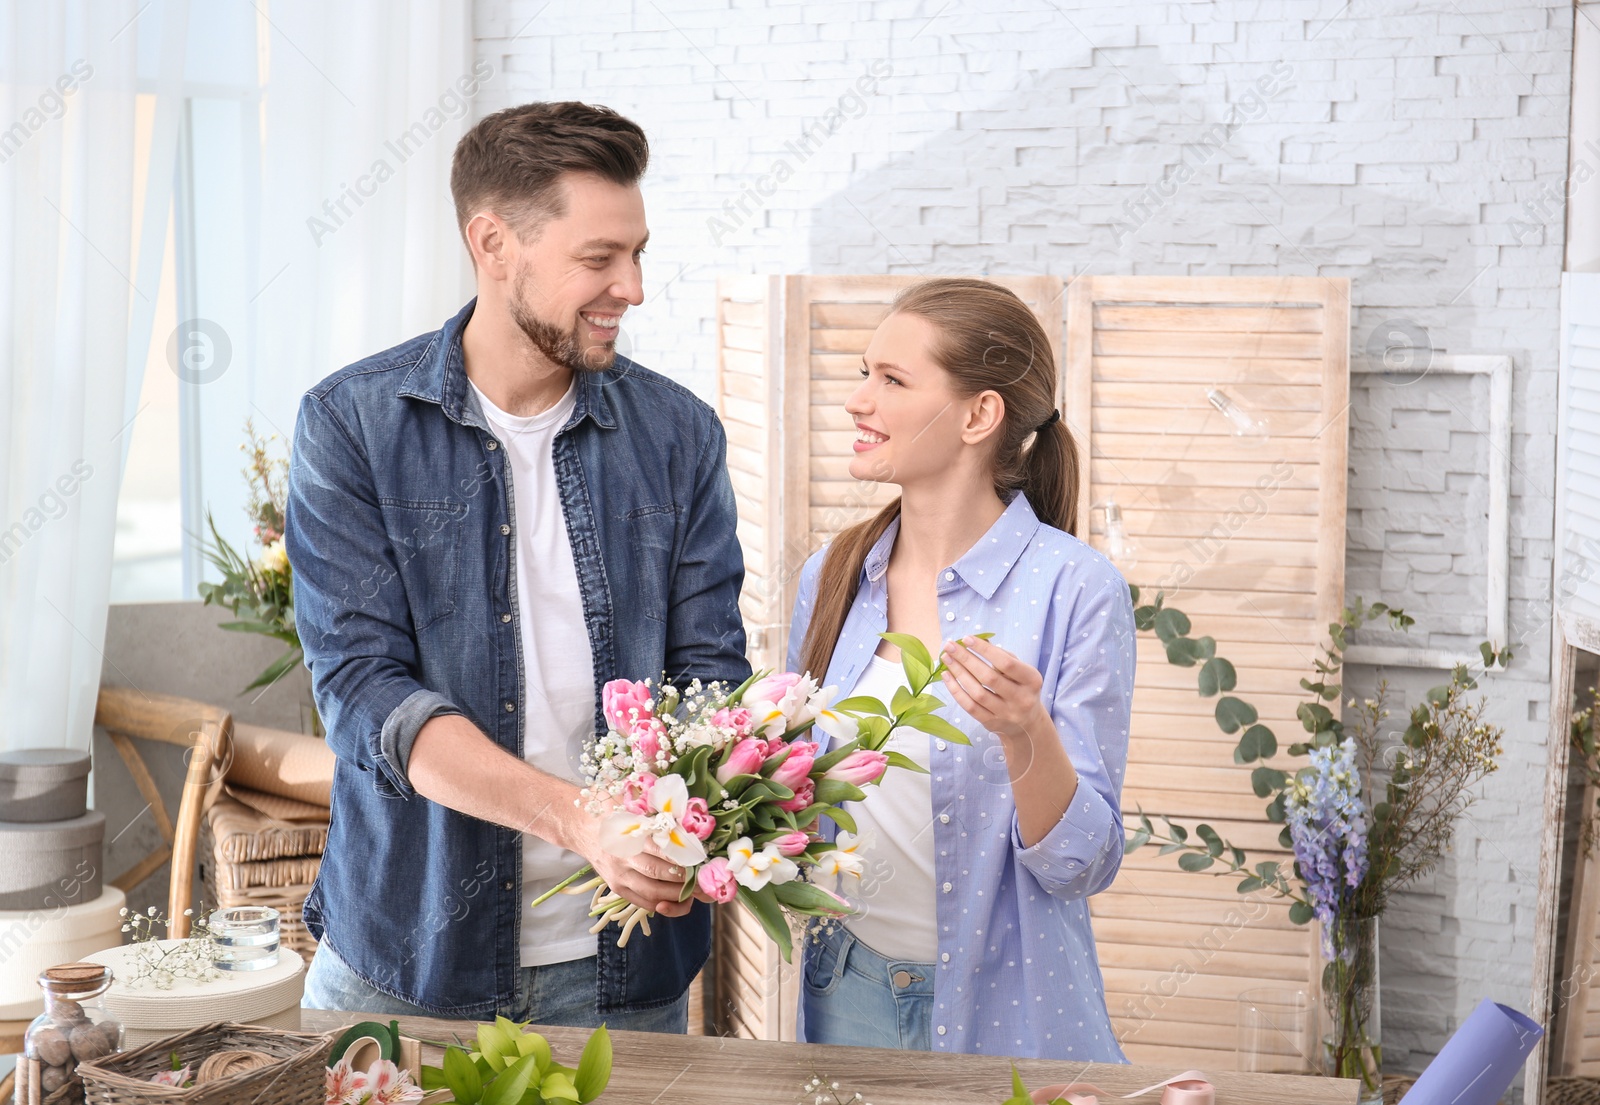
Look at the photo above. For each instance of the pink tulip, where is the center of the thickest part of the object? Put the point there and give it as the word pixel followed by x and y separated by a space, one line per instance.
pixel 622 701
pixel 744 759
pixel 843 908
pixel 737 718
pixel 636 793
pixel 802 798
pixel 859 768
pixel 792 844
pixel 797 767
pixel 717 881
pixel 646 740
pixel 771 688
pixel 697 818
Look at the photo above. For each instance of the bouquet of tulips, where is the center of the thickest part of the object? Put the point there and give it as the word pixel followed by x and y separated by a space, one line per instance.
pixel 728 786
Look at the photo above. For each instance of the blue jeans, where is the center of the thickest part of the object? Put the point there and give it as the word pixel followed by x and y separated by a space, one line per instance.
pixel 555 994
pixel 853 995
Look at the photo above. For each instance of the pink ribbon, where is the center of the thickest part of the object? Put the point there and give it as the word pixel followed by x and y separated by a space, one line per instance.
pixel 1188 1088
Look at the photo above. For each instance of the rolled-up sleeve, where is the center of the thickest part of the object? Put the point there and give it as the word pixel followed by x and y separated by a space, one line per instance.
pixel 1091 707
pixel 350 608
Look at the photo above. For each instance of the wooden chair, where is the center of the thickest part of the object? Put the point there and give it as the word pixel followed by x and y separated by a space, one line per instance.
pixel 207 731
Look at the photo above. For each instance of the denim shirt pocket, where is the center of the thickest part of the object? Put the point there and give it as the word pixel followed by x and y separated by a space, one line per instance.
pixel 652 532
pixel 426 537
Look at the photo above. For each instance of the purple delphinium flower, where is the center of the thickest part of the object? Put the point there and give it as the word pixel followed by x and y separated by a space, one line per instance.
pixel 1328 825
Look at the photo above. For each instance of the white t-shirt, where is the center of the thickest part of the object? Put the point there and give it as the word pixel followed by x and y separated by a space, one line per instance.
pixel 557 668
pixel 895 897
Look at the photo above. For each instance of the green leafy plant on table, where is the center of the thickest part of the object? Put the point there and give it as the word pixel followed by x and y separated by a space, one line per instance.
pixel 513 1065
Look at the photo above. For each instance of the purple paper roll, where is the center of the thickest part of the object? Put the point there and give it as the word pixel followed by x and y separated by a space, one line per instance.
pixel 1479 1062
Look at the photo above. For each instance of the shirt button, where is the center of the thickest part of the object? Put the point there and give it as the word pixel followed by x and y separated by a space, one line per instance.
pixel 944 957
pixel 492 444
pixel 511 707
pixel 941 1030
pixel 505 617
pixel 940 745
pixel 508 885
pixel 505 529
pixel 949 615
pixel 944 819
pixel 947 888
pixel 949 575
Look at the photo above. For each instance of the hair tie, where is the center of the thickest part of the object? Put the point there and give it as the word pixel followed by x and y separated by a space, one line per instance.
pixel 1055 416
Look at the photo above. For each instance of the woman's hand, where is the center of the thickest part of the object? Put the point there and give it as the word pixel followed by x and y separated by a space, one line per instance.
pixel 1000 691
pixel 1002 694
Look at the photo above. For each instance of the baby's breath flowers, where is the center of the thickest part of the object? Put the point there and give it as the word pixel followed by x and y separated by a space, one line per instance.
pixel 159 963
pixel 820 1091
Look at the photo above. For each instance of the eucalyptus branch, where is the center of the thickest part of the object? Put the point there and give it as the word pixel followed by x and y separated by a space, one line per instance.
pixel 1214 849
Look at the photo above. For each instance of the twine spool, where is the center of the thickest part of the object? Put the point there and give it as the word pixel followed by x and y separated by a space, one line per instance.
pixel 225 1064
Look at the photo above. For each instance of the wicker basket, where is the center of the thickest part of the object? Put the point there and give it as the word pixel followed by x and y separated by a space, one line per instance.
pixel 249 859
pixel 297 1077
pixel 1572 1091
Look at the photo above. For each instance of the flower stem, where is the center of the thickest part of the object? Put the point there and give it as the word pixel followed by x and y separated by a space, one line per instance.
pixel 562 885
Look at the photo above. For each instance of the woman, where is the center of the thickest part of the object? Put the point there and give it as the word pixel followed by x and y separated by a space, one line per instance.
pixel 972 931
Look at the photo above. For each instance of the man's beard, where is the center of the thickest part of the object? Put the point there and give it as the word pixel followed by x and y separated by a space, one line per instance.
pixel 562 347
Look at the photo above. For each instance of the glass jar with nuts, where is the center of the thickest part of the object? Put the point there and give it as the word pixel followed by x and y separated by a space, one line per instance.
pixel 74 1028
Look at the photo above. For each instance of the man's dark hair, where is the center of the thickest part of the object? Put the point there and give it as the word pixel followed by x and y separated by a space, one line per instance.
pixel 512 161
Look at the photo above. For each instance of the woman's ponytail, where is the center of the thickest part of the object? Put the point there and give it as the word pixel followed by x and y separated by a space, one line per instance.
pixel 1050 476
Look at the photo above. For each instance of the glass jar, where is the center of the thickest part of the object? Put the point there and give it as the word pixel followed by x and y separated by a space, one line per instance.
pixel 244 938
pixel 74 1028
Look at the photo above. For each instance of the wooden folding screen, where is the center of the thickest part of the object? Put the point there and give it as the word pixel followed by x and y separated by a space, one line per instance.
pixel 1253 526
pixel 1246 535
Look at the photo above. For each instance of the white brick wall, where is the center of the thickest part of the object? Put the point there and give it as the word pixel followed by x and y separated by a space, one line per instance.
pixel 1418 149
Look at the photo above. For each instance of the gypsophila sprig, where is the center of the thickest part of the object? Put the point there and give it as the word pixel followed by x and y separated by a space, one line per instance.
pixel 160 963
pixel 826 1091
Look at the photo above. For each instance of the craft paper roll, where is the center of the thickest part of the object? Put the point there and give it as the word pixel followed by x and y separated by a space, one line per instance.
pixel 33 939
pixel 275 761
pixel 1479 1062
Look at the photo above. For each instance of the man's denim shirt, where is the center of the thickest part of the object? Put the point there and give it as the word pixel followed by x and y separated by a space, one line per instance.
pixel 401 535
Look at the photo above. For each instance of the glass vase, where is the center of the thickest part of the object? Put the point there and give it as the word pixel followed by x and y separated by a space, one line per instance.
pixel 1277 1032
pixel 1352 1038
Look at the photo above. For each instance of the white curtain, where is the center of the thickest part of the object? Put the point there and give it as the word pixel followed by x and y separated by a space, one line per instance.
pixel 76 301
pixel 310 145
pixel 331 235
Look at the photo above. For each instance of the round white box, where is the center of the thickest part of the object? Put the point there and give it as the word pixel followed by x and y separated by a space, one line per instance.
pixel 246 998
pixel 33 939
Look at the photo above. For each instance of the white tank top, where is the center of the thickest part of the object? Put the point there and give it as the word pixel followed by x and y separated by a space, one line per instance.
pixel 895 896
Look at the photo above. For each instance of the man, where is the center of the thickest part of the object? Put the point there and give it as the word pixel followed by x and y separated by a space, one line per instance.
pixel 487 523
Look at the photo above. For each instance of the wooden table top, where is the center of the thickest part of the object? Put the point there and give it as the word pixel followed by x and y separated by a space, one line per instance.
pixel 659 1069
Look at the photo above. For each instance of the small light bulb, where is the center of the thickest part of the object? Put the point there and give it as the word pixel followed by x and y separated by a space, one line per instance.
pixel 1244 425
pixel 1119 547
